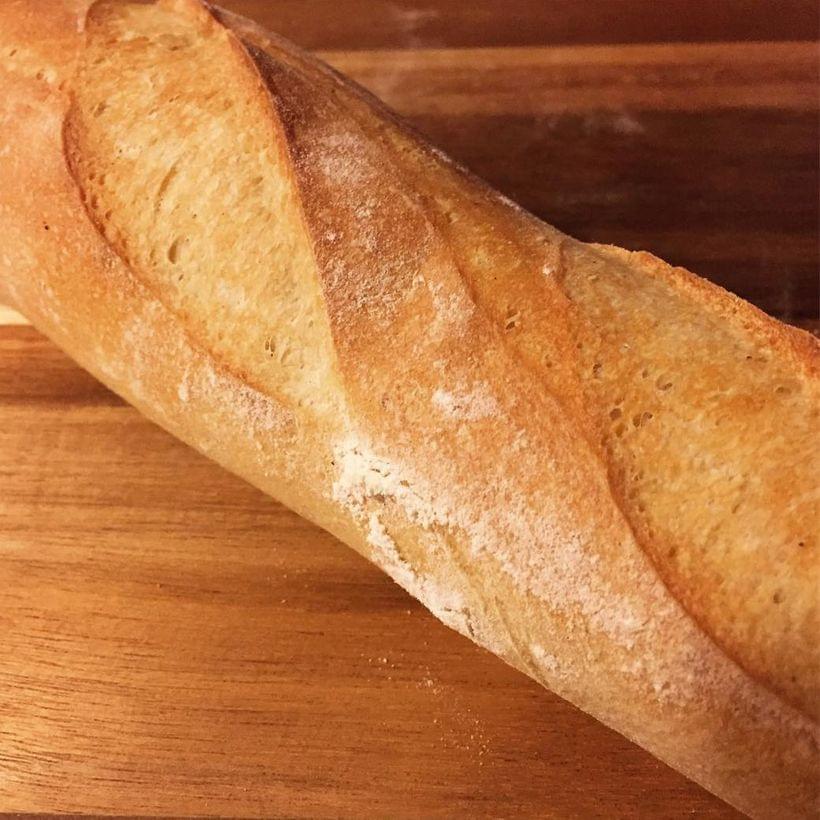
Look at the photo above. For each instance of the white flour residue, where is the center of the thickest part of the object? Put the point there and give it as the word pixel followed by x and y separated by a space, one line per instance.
pixel 452 310
pixel 363 475
pixel 138 338
pixel 49 305
pixel 545 659
pixel 201 381
pixel 337 158
pixel 625 123
pixel 540 551
pixel 467 404
pixel 533 545
pixel 182 391
pixel 261 412
pixel 597 122
pixel 446 604
pixel 377 537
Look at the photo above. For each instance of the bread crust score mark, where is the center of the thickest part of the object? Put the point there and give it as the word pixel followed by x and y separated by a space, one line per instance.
pixel 788 663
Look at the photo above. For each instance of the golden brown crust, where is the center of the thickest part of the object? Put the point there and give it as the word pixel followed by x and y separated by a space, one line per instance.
pixel 449 411
pixel 776 643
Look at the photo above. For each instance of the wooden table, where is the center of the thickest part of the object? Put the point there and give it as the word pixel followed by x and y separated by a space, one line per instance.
pixel 173 642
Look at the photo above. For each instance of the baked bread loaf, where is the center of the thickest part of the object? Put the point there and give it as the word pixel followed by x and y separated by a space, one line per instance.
pixel 601 468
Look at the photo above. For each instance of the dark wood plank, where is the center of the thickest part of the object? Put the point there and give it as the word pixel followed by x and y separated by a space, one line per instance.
pixel 366 24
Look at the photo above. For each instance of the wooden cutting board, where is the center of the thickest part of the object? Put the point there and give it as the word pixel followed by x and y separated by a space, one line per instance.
pixel 175 643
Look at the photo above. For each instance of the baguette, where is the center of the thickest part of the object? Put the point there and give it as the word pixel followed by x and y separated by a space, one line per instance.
pixel 599 467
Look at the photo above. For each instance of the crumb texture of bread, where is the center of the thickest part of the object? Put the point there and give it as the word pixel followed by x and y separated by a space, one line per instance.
pixel 598 467
pixel 228 251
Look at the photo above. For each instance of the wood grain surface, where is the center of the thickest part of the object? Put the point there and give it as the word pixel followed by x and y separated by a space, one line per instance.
pixel 175 643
